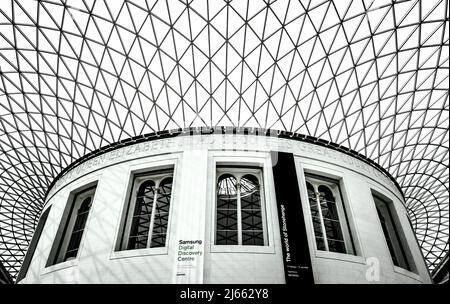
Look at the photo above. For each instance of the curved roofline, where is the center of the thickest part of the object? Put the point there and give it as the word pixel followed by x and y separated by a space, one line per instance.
pixel 222 130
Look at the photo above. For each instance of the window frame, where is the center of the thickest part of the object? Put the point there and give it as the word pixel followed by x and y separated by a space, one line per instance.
pixel 334 185
pixel 136 167
pixel 33 245
pixel 79 200
pixel 157 176
pixel 66 225
pixel 399 233
pixel 336 172
pixel 234 158
pixel 239 172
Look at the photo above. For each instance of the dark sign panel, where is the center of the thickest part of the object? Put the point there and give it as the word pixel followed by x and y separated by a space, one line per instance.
pixel 296 259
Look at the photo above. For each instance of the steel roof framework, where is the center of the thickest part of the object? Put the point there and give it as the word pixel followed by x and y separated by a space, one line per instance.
pixel 79 75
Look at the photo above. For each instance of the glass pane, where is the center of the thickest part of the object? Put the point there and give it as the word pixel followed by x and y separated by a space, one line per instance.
pixel 314 209
pixel 227 187
pixel 386 235
pixel 78 228
pixel 317 226
pixel 160 222
pixel 330 216
pixel 137 242
pixel 74 243
pixel 336 246
pixel 158 240
pixel 161 218
pixel 140 224
pixel 226 219
pixel 333 229
pixel 320 243
pixel 250 193
pixel 81 221
pixel 226 212
pixel 253 238
pixel 328 203
pixel 226 203
pixel 251 220
pixel 225 237
pixel 164 194
pixel 391 235
pixel 251 215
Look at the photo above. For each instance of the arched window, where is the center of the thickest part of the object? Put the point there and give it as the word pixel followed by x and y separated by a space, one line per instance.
pixel 391 232
pixel 147 225
pixel 240 218
pixel 330 226
pixel 70 232
pixel 78 229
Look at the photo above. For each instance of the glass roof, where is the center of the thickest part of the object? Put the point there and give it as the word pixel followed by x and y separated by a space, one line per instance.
pixel 78 75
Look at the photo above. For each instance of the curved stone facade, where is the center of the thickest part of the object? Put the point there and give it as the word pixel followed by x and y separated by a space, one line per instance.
pixel 356 249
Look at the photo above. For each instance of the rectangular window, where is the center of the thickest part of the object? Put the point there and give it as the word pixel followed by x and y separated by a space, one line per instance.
pixel 33 244
pixel 147 215
pixel 74 225
pixel 240 214
pixel 328 215
pixel 390 232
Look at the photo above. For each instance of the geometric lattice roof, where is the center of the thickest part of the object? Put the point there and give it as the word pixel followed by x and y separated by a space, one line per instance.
pixel 78 75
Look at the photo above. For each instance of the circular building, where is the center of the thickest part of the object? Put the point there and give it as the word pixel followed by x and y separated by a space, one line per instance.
pixel 224 205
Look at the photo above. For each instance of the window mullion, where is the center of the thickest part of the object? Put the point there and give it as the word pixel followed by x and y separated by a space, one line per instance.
pixel 322 223
pixel 152 218
pixel 239 214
